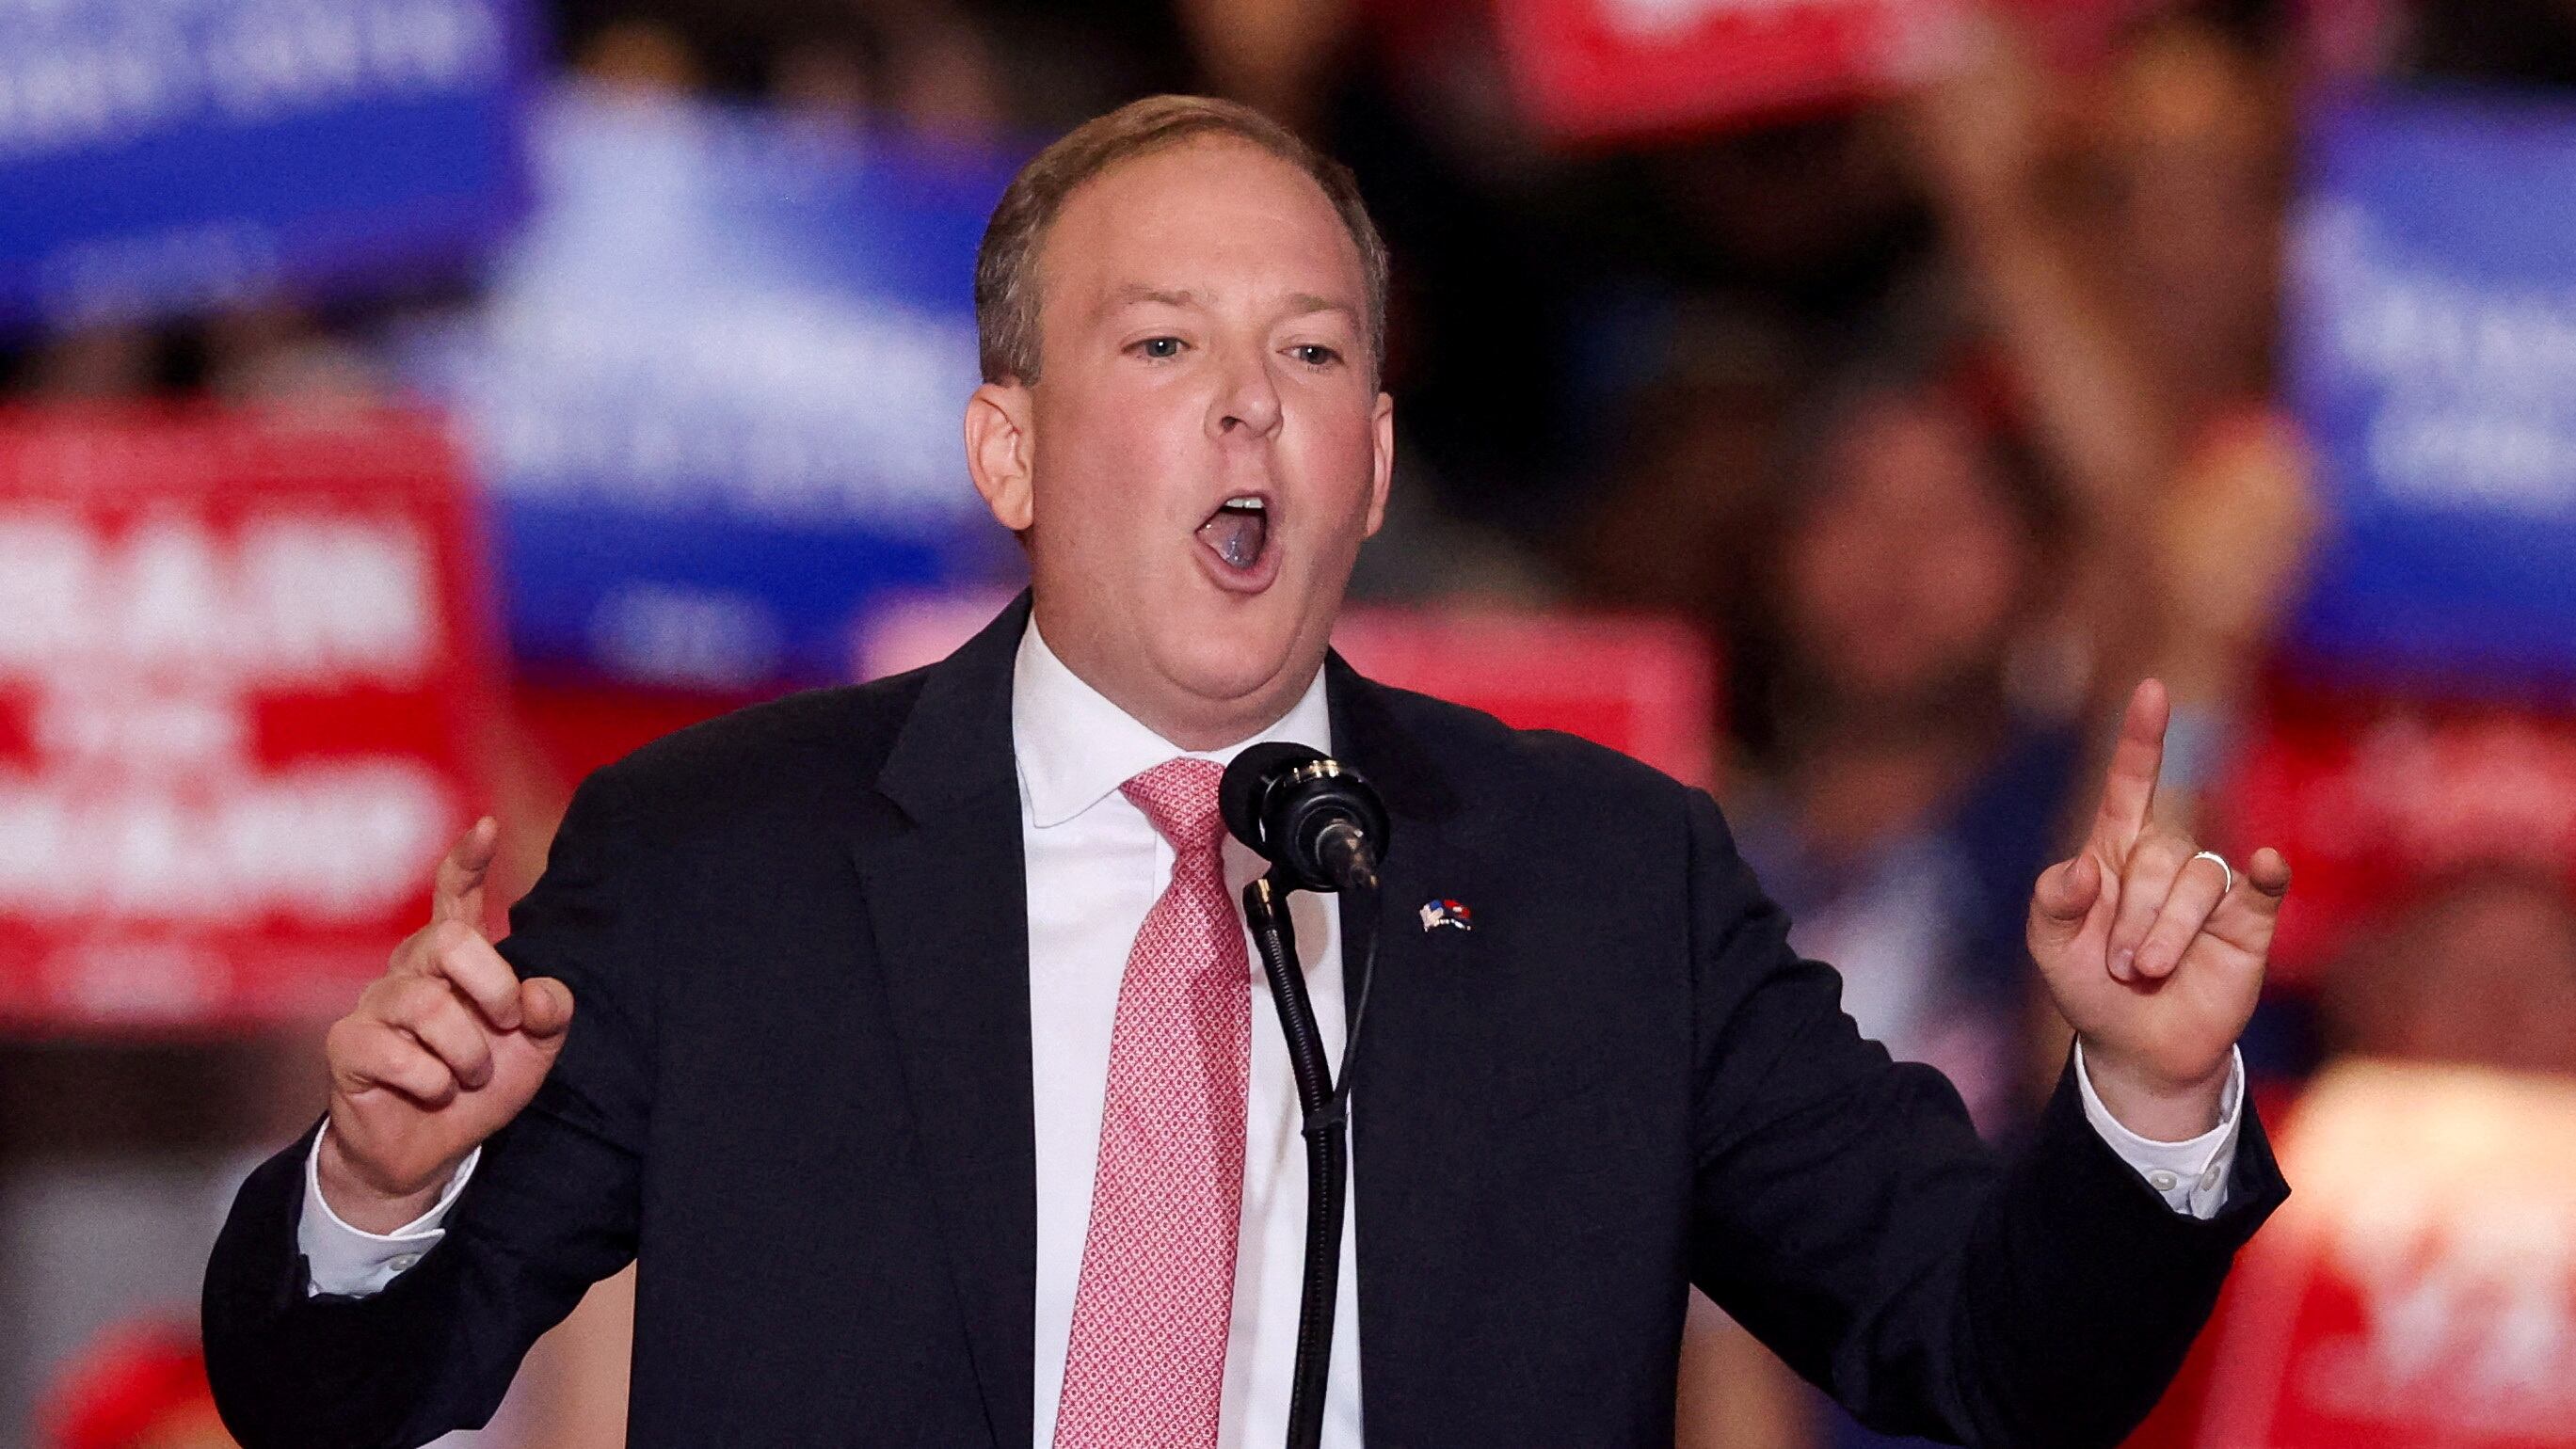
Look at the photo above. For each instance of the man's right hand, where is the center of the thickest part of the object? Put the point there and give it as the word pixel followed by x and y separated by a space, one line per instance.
pixel 446 1047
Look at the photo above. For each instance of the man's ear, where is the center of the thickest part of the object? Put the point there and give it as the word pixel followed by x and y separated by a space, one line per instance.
pixel 1384 462
pixel 1001 451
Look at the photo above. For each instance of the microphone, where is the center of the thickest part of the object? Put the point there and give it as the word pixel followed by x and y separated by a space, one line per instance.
pixel 1308 814
pixel 1322 828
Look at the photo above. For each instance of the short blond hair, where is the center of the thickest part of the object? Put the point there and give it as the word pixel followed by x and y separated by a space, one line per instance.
pixel 1006 284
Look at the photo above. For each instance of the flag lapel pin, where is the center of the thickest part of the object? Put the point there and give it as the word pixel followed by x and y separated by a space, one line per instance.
pixel 1446 914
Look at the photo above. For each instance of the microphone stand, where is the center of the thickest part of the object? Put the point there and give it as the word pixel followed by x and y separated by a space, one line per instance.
pixel 1325 1108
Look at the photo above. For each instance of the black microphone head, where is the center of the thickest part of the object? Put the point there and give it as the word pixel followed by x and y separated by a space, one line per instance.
pixel 1311 816
pixel 1246 785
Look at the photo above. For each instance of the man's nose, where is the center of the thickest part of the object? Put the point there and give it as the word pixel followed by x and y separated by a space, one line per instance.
pixel 1247 406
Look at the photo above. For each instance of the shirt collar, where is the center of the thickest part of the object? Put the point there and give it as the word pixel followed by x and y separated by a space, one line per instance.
pixel 1075 747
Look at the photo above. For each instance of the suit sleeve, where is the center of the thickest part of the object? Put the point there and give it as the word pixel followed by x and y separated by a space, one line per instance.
pixel 551 1207
pixel 1846 1212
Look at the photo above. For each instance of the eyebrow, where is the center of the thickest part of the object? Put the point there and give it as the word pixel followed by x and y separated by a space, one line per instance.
pixel 1134 292
pixel 1300 304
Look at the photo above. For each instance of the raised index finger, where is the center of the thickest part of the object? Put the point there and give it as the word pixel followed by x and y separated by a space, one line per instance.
pixel 458 895
pixel 2130 788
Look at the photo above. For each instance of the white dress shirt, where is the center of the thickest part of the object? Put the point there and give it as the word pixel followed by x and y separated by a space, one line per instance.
pixel 1095 867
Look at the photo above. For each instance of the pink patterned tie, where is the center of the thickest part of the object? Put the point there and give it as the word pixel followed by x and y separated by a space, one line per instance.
pixel 1147 1358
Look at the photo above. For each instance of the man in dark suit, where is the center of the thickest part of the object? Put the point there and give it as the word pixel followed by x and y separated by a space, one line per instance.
pixel 913 1056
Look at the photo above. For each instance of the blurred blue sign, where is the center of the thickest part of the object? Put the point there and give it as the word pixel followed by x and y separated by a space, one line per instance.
pixel 160 155
pixel 2433 356
pixel 715 391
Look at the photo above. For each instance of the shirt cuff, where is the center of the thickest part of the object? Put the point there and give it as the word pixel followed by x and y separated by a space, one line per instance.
pixel 2190 1176
pixel 353 1262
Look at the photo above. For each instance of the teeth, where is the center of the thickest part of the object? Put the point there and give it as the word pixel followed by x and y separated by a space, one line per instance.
pixel 1254 504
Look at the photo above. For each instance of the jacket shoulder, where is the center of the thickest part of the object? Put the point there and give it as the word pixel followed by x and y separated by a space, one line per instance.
pixel 1490 764
pixel 760 747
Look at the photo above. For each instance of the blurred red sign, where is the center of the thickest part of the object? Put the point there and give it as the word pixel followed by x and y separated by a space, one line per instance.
pixel 244 678
pixel 2419 1288
pixel 2370 799
pixel 1599 68
pixel 1644 686
pixel 1603 69
pixel 1641 685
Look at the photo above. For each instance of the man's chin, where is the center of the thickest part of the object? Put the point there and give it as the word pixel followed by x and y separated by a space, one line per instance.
pixel 1234 679
pixel 1234 683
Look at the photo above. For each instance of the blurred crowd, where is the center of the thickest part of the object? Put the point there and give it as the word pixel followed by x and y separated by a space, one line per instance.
pixel 1946 417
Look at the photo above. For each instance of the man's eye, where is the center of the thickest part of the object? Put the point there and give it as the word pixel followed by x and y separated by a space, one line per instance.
pixel 1160 347
pixel 1314 354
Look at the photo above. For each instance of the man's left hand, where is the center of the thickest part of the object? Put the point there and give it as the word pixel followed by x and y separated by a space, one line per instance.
pixel 2147 952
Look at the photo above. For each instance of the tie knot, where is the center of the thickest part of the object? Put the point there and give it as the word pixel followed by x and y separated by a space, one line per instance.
pixel 1179 796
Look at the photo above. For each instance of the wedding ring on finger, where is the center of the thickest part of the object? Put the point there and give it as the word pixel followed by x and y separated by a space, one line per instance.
pixel 2214 858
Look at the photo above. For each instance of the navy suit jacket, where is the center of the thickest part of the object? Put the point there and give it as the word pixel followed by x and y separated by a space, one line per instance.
pixel 797 1089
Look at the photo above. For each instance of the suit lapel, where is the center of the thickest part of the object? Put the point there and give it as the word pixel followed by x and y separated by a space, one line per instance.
pixel 944 875
pixel 1402 1085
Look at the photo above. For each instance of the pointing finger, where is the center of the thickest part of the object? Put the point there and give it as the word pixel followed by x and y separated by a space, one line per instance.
pixel 458 895
pixel 2129 790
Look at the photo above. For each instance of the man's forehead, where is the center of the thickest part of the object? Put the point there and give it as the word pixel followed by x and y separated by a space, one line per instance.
pixel 1232 164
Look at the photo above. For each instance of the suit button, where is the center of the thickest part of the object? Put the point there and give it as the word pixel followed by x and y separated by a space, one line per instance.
pixel 2163 1181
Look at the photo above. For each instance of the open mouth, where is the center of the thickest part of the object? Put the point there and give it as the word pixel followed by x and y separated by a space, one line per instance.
pixel 1238 532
